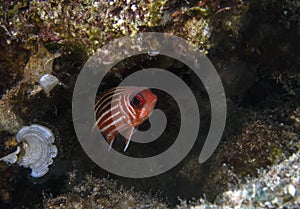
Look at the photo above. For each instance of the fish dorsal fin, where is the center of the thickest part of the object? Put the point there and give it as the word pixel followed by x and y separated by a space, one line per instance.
pixel 128 135
pixel 106 98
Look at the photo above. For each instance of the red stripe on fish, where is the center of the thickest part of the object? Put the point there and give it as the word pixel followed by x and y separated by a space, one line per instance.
pixel 122 109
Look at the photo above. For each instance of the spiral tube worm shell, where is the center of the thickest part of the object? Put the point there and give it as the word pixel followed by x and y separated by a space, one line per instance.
pixel 37 149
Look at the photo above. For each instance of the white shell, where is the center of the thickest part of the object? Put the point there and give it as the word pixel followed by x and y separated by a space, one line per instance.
pixel 38 149
pixel 48 82
pixel 12 157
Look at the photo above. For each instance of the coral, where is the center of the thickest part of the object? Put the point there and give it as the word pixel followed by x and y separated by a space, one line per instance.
pixel 267 135
pixel 89 24
pixel 86 24
pixel 197 32
pixel 277 188
pixel 12 59
pixel 94 192
pixel 9 121
pixel 39 64
pixel 249 42
pixel 263 136
pixel 191 171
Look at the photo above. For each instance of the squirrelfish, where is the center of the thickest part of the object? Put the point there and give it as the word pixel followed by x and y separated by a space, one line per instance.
pixel 122 109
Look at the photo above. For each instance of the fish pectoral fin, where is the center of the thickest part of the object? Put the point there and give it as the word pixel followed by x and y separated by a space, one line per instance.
pixel 128 135
pixel 110 142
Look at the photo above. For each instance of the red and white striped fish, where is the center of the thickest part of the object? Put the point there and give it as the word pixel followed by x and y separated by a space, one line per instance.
pixel 122 109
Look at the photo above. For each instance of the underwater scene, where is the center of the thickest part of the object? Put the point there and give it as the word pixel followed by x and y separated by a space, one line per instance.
pixel 182 104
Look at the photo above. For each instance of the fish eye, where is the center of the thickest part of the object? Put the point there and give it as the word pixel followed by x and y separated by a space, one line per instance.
pixel 137 101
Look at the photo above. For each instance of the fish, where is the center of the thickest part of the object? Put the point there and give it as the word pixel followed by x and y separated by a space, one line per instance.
pixel 122 110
